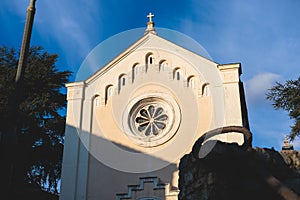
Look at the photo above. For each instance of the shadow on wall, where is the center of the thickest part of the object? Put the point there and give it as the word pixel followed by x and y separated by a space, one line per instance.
pixel 94 168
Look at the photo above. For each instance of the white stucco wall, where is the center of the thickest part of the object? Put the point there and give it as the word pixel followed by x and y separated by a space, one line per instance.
pixel 101 138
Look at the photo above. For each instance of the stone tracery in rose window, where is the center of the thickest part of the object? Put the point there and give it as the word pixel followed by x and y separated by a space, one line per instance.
pixel 151 120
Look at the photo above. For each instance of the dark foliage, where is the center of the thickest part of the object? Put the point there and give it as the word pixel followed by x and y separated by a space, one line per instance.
pixel 287 97
pixel 38 119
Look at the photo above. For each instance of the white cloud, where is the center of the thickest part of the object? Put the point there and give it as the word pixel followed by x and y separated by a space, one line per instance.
pixel 257 87
pixel 61 21
pixel 66 25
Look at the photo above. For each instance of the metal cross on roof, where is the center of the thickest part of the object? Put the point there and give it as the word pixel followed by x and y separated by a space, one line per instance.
pixel 150 16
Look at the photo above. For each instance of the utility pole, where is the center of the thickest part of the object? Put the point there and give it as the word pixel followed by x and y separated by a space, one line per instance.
pixel 11 148
pixel 26 40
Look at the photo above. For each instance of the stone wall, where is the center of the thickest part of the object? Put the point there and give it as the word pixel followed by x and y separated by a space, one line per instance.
pixel 232 172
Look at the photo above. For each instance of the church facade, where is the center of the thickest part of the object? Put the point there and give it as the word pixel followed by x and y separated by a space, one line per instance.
pixel 129 124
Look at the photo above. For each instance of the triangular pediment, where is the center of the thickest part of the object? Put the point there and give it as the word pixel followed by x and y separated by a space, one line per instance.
pixel 152 42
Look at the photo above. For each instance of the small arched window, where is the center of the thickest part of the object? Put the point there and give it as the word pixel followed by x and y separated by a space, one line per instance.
pixel 97 101
pixel 177 74
pixel 149 59
pixel 191 82
pixel 163 65
pixel 134 71
pixel 122 81
pixel 108 93
pixel 205 90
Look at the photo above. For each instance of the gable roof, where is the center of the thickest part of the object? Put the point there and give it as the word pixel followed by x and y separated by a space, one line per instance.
pixel 146 38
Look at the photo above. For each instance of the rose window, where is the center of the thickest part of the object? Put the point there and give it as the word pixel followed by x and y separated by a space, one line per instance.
pixel 151 120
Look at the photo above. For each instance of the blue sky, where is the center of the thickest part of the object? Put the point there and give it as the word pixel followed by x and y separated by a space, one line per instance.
pixel 264 35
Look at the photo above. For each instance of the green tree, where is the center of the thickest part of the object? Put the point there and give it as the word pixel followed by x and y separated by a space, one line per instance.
pixel 287 97
pixel 39 119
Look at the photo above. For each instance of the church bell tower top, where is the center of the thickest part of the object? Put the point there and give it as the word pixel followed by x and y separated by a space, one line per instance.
pixel 150 24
